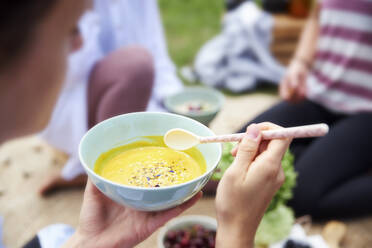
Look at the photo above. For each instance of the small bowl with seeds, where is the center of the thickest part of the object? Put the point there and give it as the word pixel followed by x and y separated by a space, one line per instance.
pixel 199 103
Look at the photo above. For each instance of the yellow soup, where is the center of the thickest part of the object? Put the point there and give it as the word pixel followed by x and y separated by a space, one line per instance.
pixel 150 163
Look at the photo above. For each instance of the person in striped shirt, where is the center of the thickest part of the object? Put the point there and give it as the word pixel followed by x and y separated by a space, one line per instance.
pixel 330 80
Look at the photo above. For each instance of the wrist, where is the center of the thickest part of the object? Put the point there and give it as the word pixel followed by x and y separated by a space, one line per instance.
pixel 76 241
pixel 234 235
pixel 307 63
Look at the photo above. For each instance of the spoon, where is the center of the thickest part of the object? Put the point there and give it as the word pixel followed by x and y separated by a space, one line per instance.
pixel 180 139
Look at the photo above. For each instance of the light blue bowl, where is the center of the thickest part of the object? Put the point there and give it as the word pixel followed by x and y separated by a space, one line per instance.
pixel 124 129
pixel 209 95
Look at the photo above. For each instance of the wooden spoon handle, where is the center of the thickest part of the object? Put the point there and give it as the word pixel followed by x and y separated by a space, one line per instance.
pixel 307 131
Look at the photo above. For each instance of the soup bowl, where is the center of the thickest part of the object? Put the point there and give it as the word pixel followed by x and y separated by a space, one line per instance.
pixel 128 128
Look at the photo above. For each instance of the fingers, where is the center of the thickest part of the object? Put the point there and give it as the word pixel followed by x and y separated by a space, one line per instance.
pixel 280 178
pixel 163 217
pixel 293 87
pixel 302 89
pixel 284 89
pixel 262 147
pixel 91 189
pixel 234 151
pixel 276 147
pixel 268 126
pixel 248 147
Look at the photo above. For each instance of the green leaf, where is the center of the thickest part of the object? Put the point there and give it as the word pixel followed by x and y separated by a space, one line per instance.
pixel 275 226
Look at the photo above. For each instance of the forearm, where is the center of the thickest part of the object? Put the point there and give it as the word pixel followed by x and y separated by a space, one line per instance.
pixel 307 45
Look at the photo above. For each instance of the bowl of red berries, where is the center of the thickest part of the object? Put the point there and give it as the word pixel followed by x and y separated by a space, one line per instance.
pixel 191 231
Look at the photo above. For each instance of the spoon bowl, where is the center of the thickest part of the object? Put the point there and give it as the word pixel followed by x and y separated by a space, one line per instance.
pixel 180 139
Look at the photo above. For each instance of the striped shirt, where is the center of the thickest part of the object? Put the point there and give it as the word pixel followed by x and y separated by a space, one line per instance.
pixel 341 78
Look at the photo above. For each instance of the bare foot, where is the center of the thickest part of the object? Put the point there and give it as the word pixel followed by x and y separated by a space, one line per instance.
pixel 56 182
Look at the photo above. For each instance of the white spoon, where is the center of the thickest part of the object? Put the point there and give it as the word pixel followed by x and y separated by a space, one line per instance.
pixel 180 139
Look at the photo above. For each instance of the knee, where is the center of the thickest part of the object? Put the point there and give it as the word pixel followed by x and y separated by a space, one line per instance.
pixel 130 65
pixel 140 69
pixel 139 57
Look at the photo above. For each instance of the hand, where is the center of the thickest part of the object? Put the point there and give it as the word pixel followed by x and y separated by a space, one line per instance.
pixel 248 186
pixel 104 223
pixel 292 88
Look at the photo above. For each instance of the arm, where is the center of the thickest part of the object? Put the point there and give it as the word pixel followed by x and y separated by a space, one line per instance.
pixel 306 48
pixel 293 84
pixel 248 186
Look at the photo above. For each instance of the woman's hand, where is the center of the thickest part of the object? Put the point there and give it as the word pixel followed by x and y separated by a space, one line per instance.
pixel 104 223
pixel 248 186
pixel 292 88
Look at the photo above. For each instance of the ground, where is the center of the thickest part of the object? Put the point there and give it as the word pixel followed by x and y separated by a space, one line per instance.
pixel 25 163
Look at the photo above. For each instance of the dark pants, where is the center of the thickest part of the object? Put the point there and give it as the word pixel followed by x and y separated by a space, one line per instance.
pixel 33 243
pixel 333 171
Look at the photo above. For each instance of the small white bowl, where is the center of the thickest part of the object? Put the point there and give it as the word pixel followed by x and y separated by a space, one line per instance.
pixel 207 222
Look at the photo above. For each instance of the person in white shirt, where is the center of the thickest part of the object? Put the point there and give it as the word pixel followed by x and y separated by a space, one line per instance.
pixel 123 66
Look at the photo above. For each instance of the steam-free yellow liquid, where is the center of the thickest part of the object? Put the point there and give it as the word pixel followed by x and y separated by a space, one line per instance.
pixel 150 163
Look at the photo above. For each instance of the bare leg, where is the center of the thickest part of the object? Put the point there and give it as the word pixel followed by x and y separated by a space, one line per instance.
pixel 120 83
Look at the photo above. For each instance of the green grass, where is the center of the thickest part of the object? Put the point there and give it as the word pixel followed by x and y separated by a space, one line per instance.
pixel 189 24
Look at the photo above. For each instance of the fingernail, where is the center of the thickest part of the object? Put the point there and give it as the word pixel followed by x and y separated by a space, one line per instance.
pixel 253 131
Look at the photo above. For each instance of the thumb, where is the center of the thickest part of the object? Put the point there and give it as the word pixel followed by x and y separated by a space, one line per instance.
pixel 248 147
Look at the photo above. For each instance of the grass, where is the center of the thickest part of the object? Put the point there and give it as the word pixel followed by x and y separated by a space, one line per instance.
pixel 189 24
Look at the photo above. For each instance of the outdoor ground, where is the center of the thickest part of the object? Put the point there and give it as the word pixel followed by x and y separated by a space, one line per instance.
pixel 25 163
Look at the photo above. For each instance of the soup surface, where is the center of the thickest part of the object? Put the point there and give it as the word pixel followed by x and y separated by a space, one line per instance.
pixel 150 163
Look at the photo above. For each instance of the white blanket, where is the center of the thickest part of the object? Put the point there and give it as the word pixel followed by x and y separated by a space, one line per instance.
pixel 240 56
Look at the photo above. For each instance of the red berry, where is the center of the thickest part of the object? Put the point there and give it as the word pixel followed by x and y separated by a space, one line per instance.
pixel 171 235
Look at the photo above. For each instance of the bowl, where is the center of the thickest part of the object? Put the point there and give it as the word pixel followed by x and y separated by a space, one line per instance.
pixel 178 223
pixel 124 129
pixel 209 96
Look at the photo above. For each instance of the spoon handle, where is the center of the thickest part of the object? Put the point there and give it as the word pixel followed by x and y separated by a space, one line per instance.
pixel 307 131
